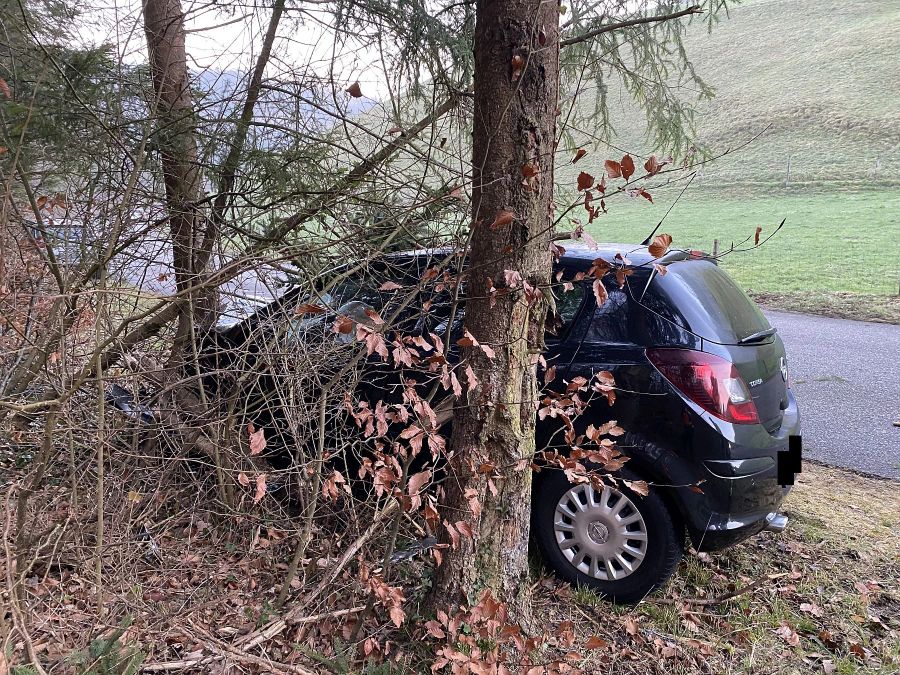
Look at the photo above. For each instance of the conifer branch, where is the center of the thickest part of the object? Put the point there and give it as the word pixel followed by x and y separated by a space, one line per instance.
pixel 694 9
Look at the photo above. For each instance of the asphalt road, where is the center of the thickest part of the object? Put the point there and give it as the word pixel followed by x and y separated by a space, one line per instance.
pixel 846 377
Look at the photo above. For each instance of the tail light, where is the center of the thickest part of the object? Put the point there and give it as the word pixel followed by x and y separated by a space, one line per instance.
pixel 709 381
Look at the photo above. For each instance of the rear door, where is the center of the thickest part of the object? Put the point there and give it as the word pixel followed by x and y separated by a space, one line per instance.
pixel 601 338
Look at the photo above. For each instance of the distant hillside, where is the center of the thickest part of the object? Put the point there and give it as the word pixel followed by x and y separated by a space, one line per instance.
pixel 824 74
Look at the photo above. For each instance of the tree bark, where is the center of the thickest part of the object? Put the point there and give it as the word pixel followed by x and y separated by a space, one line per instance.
pixel 516 91
pixel 175 135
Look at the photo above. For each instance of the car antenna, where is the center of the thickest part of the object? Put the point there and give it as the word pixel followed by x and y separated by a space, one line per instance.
pixel 649 238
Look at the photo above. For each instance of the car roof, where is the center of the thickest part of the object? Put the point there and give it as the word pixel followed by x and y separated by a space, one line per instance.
pixel 631 254
pixel 578 257
pixel 579 254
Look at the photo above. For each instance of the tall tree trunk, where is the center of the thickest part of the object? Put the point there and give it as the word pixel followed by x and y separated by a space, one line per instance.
pixel 192 238
pixel 516 91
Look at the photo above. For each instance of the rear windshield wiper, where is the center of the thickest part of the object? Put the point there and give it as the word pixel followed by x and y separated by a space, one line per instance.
pixel 758 336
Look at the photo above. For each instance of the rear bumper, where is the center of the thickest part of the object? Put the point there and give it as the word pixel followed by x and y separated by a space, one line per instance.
pixel 745 475
pixel 724 530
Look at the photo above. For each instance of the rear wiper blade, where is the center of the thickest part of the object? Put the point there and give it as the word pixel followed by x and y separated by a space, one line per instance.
pixel 758 336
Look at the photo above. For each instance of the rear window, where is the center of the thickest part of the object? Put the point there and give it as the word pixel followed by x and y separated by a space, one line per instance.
pixel 701 298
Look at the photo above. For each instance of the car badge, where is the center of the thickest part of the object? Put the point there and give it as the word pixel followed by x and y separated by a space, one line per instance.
pixel 784 373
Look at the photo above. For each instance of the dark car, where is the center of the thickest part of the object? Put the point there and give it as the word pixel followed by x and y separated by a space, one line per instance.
pixel 702 391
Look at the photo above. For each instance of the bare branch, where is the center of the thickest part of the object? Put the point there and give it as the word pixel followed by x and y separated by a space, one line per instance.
pixel 695 9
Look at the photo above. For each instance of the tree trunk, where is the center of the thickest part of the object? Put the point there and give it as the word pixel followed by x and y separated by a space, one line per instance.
pixel 192 238
pixel 516 90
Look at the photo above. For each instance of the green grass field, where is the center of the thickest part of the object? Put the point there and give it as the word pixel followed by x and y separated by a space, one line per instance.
pixel 818 80
pixel 839 251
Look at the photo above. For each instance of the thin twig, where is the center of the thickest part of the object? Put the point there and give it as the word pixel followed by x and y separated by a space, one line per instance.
pixel 695 9
pixel 172 666
pixel 706 602
pixel 242 656
pixel 13 589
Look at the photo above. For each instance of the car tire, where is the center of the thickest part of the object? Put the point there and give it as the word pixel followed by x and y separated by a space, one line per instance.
pixel 660 539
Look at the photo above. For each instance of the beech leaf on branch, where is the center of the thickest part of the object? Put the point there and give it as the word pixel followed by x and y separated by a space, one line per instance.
pixel 659 245
pixel 627 166
pixel 585 181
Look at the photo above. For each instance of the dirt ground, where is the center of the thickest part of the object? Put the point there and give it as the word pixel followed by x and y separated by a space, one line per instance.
pixel 182 584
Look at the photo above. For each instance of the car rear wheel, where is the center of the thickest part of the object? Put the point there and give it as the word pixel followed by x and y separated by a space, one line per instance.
pixel 611 539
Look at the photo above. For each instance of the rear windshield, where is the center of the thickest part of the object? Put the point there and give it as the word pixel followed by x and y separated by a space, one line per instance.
pixel 701 298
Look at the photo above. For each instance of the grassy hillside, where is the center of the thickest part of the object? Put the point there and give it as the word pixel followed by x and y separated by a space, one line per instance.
pixel 822 76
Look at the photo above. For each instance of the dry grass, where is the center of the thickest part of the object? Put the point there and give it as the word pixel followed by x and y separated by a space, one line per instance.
pixel 880 308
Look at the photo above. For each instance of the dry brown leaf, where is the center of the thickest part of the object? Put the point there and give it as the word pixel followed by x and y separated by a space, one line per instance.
pixel 585 180
pixel 260 488
pixel 418 481
pixel 788 634
pixel 627 166
pixel 257 441
pixel 639 486
pixel 659 245
pixel 600 293
pixel 613 168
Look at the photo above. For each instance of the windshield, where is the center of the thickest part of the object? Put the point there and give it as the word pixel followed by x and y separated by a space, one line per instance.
pixel 701 298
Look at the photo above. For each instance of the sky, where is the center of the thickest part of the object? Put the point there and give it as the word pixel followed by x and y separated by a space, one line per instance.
pixel 229 40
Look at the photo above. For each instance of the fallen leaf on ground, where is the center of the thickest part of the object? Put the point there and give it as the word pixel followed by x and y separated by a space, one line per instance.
pixel 788 634
pixel 631 625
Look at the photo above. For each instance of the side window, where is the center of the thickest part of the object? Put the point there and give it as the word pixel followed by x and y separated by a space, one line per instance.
pixel 362 291
pixel 568 302
pixel 350 297
pixel 609 322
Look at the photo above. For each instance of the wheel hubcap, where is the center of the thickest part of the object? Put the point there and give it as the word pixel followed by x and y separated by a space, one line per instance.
pixel 601 533
pixel 598 532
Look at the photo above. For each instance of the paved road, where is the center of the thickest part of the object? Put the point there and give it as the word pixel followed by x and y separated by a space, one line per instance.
pixel 846 377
